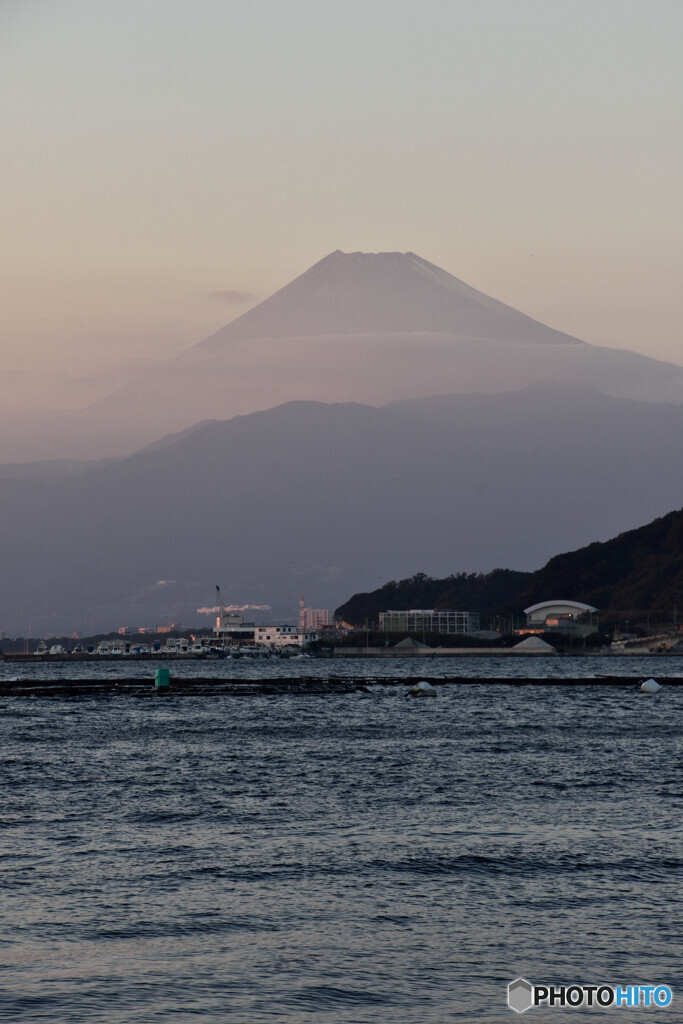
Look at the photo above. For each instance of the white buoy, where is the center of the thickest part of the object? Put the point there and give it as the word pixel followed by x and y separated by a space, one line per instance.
pixel 649 686
pixel 423 689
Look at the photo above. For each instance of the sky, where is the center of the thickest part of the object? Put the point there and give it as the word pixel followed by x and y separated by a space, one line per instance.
pixel 168 163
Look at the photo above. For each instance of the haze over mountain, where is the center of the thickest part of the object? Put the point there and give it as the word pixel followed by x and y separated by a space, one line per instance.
pixel 369 328
pixel 331 499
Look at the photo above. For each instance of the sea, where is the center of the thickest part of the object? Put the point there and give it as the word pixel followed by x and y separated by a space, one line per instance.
pixel 350 858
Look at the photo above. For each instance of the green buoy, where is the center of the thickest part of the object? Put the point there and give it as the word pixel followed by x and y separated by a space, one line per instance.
pixel 162 681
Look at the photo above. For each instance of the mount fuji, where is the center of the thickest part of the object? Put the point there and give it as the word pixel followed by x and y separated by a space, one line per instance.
pixel 355 327
pixel 372 328
pixel 382 294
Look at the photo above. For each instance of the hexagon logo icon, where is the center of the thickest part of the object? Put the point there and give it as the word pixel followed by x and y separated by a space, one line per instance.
pixel 520 995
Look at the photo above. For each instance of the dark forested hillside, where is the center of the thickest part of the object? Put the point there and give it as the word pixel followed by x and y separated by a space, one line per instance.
pixel 481 592
pixel 640 572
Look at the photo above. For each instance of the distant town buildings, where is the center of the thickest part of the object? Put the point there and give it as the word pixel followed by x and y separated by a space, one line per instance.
pixel 142 630
pixel 312 618
pixel 427 620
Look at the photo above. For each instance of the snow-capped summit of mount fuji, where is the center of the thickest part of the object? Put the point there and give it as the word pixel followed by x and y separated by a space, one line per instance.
pixel 383 293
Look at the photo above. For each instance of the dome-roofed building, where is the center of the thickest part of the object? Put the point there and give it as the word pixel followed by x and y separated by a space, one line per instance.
pixel 573 617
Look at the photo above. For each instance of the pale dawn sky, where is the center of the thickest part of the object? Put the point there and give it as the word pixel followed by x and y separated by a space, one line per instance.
pixel 167 163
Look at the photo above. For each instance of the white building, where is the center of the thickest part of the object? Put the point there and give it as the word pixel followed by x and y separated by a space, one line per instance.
pixel 282 636
pixel 229 621
pixel 429 620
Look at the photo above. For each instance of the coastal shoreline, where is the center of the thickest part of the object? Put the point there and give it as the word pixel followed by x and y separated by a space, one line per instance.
pixel 344 653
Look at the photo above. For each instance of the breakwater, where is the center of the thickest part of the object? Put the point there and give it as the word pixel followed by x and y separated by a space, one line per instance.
pixel 313 686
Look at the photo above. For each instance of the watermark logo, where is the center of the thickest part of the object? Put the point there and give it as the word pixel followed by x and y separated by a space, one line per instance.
pixel 522 995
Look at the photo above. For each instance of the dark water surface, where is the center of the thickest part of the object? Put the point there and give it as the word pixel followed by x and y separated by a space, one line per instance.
pixel 511 666
pixel 344 859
